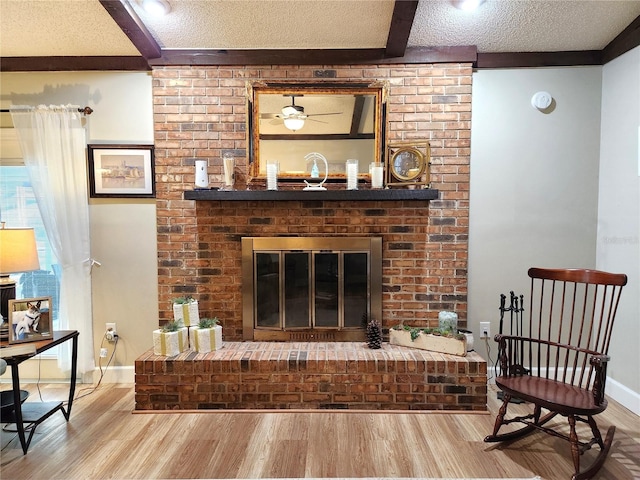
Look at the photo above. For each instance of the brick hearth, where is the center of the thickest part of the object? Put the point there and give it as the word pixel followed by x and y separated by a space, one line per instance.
pixel 298 375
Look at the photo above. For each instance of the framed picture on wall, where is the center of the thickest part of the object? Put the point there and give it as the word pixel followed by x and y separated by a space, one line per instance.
pixel 121 171
pixel 30 319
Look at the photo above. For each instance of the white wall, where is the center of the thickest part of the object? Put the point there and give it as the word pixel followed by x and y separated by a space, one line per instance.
pixel 557 189
pixel 534 181
pixel 618 247
pixel 123 232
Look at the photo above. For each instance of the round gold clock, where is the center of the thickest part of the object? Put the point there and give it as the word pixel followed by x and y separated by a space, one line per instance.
pixel 407 164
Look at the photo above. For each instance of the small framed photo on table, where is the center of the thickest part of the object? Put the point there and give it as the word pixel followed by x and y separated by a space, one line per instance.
pixel 121 171
pixel 31 319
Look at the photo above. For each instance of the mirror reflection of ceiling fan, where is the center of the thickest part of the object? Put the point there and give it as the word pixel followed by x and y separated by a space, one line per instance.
pixel 293 116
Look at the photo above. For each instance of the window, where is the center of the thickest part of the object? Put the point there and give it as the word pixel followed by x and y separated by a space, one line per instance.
pixel 18 209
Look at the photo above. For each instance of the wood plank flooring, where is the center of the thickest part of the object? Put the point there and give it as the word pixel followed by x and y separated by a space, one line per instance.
pixel 105 439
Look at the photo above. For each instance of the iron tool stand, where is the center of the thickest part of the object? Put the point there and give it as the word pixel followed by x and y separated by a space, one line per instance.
pixel 515 309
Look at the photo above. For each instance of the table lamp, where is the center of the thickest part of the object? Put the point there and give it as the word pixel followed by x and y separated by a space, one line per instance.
pixel 18 253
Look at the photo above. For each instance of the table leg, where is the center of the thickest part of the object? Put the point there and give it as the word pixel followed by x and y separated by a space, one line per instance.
pixel 17 407
pixel 72 386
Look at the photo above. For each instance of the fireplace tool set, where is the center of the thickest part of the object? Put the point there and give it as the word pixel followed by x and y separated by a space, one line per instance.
pixel 515 309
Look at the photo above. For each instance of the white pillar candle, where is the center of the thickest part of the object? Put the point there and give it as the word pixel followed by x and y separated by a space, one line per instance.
pixel 272 176
pixel 376 176
pixel 352 174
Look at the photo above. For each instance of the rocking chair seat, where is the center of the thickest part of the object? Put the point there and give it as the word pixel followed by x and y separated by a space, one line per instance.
pixel 552 395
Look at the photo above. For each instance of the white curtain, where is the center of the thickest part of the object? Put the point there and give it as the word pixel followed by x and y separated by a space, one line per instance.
pixel 53 144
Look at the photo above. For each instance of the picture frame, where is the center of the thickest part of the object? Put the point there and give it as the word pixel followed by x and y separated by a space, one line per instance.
pixel 120 171
pixel 30 319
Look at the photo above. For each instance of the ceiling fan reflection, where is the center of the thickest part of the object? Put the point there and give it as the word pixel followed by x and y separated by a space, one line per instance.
pixel 293 116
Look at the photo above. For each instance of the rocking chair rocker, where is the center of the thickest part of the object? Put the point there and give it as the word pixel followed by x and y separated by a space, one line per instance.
pixel 558 362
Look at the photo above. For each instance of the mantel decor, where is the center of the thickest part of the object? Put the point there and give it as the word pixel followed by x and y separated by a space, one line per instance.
pixel 408 164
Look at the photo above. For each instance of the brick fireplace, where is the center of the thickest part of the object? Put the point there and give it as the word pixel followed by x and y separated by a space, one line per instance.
pixel 201 112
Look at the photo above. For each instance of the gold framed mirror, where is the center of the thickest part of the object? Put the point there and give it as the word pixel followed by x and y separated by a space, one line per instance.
pixel 340 121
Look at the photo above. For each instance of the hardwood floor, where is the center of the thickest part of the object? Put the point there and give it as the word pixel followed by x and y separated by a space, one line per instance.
pixel 104 439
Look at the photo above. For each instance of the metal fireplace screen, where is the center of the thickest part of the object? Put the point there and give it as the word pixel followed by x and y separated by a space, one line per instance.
pixel 310 288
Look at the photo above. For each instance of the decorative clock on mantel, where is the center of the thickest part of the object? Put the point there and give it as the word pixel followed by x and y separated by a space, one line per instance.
pixel 408 164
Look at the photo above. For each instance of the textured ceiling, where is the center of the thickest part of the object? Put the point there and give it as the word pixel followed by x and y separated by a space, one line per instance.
pixel 59 27
pixel 523 26
pixel 84 28
pixel 273 24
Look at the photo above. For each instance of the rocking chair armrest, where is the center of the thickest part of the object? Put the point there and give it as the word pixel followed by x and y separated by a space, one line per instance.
pixel 599 363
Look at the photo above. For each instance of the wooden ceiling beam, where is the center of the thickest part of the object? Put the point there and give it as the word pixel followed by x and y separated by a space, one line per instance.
pixel 126 18
pixel 628 39
pixel 356 117
pixel 401 22
pixel 539 59
pixel 371 56
pixel 67 64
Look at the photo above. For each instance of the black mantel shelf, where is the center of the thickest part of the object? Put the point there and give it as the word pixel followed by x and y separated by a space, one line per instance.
pixel 314 195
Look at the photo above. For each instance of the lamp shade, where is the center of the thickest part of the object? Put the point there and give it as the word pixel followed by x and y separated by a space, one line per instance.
pixel 18 251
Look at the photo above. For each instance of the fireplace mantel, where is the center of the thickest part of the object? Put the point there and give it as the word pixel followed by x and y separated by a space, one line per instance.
pixel 328 195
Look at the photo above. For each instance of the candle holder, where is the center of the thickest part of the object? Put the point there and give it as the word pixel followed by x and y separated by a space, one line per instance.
pixel 202 175
pixel 228 164
pixel 377 174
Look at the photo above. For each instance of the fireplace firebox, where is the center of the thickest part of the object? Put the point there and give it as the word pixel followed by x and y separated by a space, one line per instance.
pixel 310 288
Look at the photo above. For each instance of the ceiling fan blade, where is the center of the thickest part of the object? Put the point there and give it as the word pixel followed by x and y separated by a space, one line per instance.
pixel 276 121
pixel 270 115
pixel 317 114
pixel 318 121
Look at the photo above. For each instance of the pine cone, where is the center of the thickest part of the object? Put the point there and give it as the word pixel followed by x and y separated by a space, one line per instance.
pixel 374 334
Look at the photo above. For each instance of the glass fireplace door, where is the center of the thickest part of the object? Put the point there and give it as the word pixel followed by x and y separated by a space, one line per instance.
pixel 296 290
pixel 310 288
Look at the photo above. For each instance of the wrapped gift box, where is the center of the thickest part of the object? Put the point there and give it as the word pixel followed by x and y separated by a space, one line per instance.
pixel 205 340
pixel 170 343
pixel 186 313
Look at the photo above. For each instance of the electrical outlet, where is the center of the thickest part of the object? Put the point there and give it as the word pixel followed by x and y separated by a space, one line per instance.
pixel 103 353
pixel 485 329
pixel 110 332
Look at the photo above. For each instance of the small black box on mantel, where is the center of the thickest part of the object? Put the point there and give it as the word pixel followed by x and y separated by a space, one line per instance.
pixel 324 73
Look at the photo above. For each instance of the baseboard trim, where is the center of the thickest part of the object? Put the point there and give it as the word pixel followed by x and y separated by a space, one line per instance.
pixel 124 374
pixel 623 395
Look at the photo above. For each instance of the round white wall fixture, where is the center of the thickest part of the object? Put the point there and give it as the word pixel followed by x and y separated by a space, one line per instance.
pixel 541 100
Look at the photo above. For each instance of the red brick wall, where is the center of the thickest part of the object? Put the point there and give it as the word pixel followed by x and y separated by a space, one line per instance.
pixel 199 112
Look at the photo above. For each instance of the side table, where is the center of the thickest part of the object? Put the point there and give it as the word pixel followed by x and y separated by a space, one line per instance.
pixel 34 413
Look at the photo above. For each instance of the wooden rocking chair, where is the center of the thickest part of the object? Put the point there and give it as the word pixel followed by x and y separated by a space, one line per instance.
pixel 558 362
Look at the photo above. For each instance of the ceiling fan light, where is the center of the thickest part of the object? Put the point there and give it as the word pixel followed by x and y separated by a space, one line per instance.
pixel 156 7
pixel 294 123
pixel 468 5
